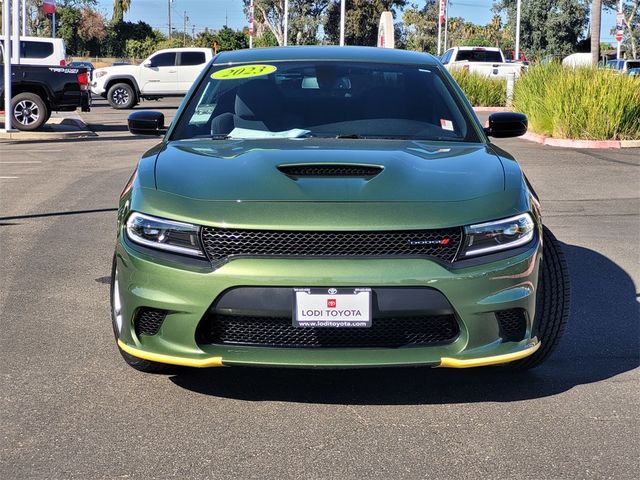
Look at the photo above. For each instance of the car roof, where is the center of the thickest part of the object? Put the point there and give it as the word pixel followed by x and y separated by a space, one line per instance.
pixel 346 54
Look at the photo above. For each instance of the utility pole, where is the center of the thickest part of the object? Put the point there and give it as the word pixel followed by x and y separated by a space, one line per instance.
pixel 193 31
pixel 169 12
pixel 184 29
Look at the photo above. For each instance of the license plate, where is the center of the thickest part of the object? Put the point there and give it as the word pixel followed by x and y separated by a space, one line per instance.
pixel 332 307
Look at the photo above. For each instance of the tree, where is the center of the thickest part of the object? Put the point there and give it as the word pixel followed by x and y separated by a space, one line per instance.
pixel 361 20
pixel 632 26
pixel 229 39
pixel 305 19
pixel 551 26
pixel 421 28
pixel 119 7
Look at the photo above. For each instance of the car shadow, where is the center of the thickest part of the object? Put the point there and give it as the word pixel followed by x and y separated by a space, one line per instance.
pixel 601 341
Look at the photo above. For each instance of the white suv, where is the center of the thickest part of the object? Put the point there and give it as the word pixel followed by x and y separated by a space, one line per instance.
pixel 166 73
pixel 41 51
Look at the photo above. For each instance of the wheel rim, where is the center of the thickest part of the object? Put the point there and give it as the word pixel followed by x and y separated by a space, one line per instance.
pixel 120 96
pixel 26 112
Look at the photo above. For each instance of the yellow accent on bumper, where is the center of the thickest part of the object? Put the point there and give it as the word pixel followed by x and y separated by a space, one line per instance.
pixel 170 359
pixel 447 362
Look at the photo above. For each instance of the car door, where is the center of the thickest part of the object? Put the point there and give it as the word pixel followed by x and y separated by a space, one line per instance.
pixel 159 74
pixel 190 64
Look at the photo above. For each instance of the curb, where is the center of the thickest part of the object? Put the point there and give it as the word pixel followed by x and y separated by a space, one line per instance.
pixel 576 143
pixel 491 109
pixel 62 126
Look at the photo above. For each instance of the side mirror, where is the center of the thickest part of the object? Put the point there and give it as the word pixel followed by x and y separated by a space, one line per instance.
pixel 146 122
pixel 147 64
pixel 507 124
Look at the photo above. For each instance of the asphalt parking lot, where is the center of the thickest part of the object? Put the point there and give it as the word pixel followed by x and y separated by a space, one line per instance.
pixel 71 408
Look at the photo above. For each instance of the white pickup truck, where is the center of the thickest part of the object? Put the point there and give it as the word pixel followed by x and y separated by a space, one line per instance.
pixel 486 61
pixel 166 73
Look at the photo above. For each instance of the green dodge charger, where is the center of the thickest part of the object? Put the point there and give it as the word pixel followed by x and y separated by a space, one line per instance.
pixel 332 207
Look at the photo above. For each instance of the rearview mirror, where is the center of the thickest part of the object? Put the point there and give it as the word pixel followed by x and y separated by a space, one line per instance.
pixel 146 122
pixel 507 124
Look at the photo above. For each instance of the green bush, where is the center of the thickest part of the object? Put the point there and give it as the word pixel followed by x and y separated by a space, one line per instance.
pixel 585 103
pixel 480 90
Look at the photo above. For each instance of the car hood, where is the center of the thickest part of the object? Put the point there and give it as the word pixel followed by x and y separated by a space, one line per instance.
pixel 409 171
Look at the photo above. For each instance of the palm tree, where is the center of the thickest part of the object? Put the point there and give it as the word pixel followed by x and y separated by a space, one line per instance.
pixel 596 8
pixel 119 7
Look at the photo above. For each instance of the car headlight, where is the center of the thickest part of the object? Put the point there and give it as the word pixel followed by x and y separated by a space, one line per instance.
pixel 498 235
pixel 99 74
pixel 177 237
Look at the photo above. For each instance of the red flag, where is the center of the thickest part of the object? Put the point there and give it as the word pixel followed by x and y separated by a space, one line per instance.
pixel 49 6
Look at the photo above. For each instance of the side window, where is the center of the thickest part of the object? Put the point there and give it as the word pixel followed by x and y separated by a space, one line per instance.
pixel 167 59
pixel 192 58
pixel 36 49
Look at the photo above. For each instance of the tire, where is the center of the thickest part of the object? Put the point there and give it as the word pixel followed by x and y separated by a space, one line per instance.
pixel 135 362
pixel 121 96
pixel 552 303
pixel 29 111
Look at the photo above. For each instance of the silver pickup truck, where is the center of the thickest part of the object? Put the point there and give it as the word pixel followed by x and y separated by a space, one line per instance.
pixel 486 61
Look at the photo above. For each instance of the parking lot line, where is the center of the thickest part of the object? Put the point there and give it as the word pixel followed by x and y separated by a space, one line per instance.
pixel 22 161
pixel 7 177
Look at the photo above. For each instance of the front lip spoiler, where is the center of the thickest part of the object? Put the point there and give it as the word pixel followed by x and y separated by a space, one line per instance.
pixel 171 359
pixel 445 362
pixel 448 362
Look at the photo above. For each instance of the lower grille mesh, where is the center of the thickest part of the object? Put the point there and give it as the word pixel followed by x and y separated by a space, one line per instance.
pixel 148 321
pixel 512 324
pixel 279 332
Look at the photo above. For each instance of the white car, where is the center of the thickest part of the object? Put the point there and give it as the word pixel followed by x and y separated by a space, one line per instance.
pixel 166 73
pixel 486 61
pixel 41 51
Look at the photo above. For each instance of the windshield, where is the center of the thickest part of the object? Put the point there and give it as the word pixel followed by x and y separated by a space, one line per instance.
pixel 324 99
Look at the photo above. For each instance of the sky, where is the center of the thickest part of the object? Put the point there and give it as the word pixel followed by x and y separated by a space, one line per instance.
pixel 215 13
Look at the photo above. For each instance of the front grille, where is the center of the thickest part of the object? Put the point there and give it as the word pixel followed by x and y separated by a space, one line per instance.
pixel 222 243
pixel 330 170
pixel 512 324
pixel 148 321
pixel 279 332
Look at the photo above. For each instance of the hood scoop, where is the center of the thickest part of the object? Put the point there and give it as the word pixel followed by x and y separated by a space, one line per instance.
pixel 351 170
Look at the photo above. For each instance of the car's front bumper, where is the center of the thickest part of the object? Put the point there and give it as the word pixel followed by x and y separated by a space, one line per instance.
pixel 475 293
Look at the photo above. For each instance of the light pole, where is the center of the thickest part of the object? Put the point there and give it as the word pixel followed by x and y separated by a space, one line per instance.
pixel 343 9
pixel 446 24
pixel 517 52
pixel 440 20
pixel 6 27
pixel 285 26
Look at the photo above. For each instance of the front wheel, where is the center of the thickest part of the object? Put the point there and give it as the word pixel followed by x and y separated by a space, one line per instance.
pixel 117 323
pixel 29 111
pixel 552 302
pixel 121 96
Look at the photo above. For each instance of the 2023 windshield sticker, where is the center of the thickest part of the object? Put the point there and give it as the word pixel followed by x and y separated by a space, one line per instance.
pixel 243 71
